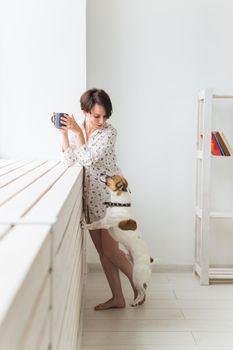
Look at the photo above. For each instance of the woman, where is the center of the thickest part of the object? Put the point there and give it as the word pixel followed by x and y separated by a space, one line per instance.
pixel 95 150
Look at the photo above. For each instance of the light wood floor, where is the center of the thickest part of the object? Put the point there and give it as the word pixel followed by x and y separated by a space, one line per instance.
pixel 179 314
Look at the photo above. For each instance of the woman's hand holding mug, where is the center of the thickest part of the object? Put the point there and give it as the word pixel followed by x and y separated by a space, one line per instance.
pixel 65 122
pixel 70 123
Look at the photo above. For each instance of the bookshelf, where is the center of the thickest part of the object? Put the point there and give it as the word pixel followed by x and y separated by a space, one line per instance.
pixel 212 172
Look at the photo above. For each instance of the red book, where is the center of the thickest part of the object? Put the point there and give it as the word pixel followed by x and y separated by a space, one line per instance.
pixel 214 147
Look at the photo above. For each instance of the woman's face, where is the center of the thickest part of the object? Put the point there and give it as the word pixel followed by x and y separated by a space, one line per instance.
pixel 97 117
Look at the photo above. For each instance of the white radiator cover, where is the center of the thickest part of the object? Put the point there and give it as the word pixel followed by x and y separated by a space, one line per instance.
pixel 42 255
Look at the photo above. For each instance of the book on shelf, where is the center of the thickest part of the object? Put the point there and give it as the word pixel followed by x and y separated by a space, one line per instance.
pixel 219 144
pixel 227 144
pixel 215 150
pixel 222 143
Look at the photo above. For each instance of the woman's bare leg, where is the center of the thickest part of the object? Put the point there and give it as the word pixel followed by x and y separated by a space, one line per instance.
pixel 117 256
pixel 112 275
pixel 113 259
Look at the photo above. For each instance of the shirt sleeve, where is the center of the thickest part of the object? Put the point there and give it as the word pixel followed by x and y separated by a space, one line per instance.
pixel 89 154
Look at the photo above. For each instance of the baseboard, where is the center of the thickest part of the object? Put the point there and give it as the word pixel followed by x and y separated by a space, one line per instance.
pixel 96 267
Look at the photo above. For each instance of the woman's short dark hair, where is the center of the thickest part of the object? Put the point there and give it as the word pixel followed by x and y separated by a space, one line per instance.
pixel 96 96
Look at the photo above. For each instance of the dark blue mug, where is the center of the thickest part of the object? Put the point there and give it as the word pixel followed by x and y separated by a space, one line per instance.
pixel 56 120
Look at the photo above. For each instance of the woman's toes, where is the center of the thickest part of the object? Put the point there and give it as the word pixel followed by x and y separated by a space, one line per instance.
pixel 111 304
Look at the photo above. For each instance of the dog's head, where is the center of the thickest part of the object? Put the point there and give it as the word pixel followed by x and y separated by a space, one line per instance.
pixel 116 183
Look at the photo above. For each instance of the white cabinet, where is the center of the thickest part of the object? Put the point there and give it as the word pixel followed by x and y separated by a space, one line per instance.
pixel 42 256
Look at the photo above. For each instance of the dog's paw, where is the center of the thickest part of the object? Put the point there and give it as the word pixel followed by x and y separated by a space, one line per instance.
pixel 139 300
pixel 133 303
pixel 83 225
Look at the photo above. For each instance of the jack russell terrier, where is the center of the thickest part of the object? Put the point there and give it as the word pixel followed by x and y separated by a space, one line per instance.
pixel 118 220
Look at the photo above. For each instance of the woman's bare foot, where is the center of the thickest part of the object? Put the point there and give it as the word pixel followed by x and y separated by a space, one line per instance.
pixel 112 303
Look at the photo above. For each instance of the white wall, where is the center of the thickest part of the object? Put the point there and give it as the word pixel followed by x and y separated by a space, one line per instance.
pixel 42 69
pixel 153 57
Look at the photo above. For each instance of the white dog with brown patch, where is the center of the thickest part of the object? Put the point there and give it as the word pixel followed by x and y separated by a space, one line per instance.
pixel 123 228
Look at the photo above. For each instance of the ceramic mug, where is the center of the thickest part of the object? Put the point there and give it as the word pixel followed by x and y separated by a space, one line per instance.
pixel 56 120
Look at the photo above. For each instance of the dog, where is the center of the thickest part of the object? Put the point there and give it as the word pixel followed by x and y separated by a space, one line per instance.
pixel 123 228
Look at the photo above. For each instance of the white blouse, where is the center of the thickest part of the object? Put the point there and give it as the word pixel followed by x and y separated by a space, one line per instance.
pixel 97 156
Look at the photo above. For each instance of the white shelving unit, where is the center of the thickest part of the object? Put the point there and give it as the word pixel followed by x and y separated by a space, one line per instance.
pixel 204 214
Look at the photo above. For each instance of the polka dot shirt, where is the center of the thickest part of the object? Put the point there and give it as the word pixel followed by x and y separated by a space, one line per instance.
pixel 97 156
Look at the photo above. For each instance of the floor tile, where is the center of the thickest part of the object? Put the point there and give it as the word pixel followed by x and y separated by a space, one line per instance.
pixel 216 338
pixel 137 338
pixel 134 313
pixel 207 314
pixel 137 325
pixel 204 293
pixel 154 294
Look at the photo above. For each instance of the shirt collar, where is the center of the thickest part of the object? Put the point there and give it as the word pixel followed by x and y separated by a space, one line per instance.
pixel 105 126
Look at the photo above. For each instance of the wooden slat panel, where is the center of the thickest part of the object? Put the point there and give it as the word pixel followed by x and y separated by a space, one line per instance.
pixel 82 305
pixel 61 197
pixel 44 340
pixel 11 167
pixel 29 196
pixel 63 267
pixel 3 230
pixel 25 259
pixel 62 221
pixel 8 192
pixel 78 300
pixel 23 201
pixel 6 162
pixel 70 250
pixel 72 227
pixel 70 325
pixel 35 324
pixel 12 176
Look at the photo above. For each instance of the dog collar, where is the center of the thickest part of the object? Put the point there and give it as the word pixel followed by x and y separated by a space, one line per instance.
pixel 111 204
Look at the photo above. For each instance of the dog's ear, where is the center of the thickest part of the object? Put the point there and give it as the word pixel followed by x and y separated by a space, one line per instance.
pixel 128 225
pixel 125 183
